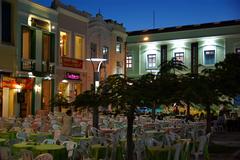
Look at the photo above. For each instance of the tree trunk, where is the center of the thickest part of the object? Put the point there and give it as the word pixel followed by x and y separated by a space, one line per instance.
pixel 95 117
pixel 130 145
pixel 188 110
pixel 154 111
pixel 208 129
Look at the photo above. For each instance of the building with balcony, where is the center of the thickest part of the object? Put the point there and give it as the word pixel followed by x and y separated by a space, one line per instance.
pixel 8 58
pixel 197 46
pixel 36 50
pixel 71 67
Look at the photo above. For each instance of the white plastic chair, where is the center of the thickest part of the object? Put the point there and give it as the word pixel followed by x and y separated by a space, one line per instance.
pixel 44 156
pixel 26 154
pixel 83 149
pixel 76 131
pixel 178 149
pixel 49 141
pixel 21 136
pixel 202 143
pixel 70 145
pixel 139 149
pixel 5 153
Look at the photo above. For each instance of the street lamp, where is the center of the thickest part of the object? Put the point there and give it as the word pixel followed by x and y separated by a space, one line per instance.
pixel 96 74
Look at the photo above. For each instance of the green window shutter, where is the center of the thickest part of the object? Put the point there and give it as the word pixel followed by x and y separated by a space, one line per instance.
pixel 52 52
pixel 33 44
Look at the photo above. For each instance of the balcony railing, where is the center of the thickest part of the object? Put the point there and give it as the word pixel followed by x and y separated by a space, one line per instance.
pixel 28 64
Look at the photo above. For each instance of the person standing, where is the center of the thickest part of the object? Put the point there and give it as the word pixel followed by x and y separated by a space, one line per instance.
pixel 67 124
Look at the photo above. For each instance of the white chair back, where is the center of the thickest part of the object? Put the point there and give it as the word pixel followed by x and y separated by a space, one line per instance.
pixel 44 156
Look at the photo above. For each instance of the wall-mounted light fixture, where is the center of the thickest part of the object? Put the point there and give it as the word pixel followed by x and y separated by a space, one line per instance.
pixel 64 81
pixel 37 88
pixel 145 38
pixel 18 88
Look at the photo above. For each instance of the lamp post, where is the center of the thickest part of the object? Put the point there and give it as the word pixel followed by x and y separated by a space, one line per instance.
pixel 96 74
pixel 96 78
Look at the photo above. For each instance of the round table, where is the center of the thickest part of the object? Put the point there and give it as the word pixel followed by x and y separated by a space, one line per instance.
pixel 78 139
pixel 159 153
pixel 2 141
pixel 57 151
pixel 98 151
pixel 8 135
pixel 40 136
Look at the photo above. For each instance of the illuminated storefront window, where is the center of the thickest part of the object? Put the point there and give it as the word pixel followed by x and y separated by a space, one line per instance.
pixel 79 44
pixel 64 43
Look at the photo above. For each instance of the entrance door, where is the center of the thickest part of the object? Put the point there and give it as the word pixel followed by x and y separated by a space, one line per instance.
pixel 1 96
pixel 46 94
pixel 25 100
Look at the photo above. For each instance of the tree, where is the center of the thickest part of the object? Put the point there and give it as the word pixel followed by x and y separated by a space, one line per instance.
pixel 124 94
pixel 199 89
pixel 59 101
pixel 227 75
pixel 173 66
pixel 92 100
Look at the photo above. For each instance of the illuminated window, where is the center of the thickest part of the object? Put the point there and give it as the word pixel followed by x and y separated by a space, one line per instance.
pixel 28 48
pixel 79 45
pixel 179 56
pixel 151 60
pixel 105 52
pixel 129 61
pixel 64 44
pixel 119 45
pixel 238 50
pixel 48 51
pixel 119 67
pixel 46 47
pixel 209 57
pixel 26 43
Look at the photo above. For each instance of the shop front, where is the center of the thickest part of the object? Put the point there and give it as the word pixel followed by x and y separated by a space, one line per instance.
pixel 16 99
pixel 70 85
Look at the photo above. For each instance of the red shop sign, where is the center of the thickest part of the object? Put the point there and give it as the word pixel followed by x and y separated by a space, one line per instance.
pixel 71 62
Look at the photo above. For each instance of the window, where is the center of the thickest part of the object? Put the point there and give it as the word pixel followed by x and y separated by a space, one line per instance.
pixel 105 52
pixel 46 47
pixel 93 50
pixel 129 61
pixel 118 45
pixel 64 44
pixel 209 57
pixel 238 50
pixel 179 56
pixel 28 48
pixel 26 43
pixel 48 51
pixel 119 67
pixel 151 59
pixel 79 45
pixel 6 22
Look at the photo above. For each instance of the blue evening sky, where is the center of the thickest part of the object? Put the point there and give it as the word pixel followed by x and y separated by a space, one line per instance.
pixel 138 14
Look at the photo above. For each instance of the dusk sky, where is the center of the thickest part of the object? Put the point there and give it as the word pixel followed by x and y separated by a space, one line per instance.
pixel 138 14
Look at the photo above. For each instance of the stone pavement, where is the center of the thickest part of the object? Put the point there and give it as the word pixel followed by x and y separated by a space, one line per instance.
pixel 225 146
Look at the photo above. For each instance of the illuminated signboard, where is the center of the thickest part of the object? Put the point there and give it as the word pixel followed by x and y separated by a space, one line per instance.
pixel 70 62
pixel 72 76
pixel 40 24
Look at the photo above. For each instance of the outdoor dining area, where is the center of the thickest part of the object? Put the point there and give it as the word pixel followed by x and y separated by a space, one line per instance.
pixel 41 135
